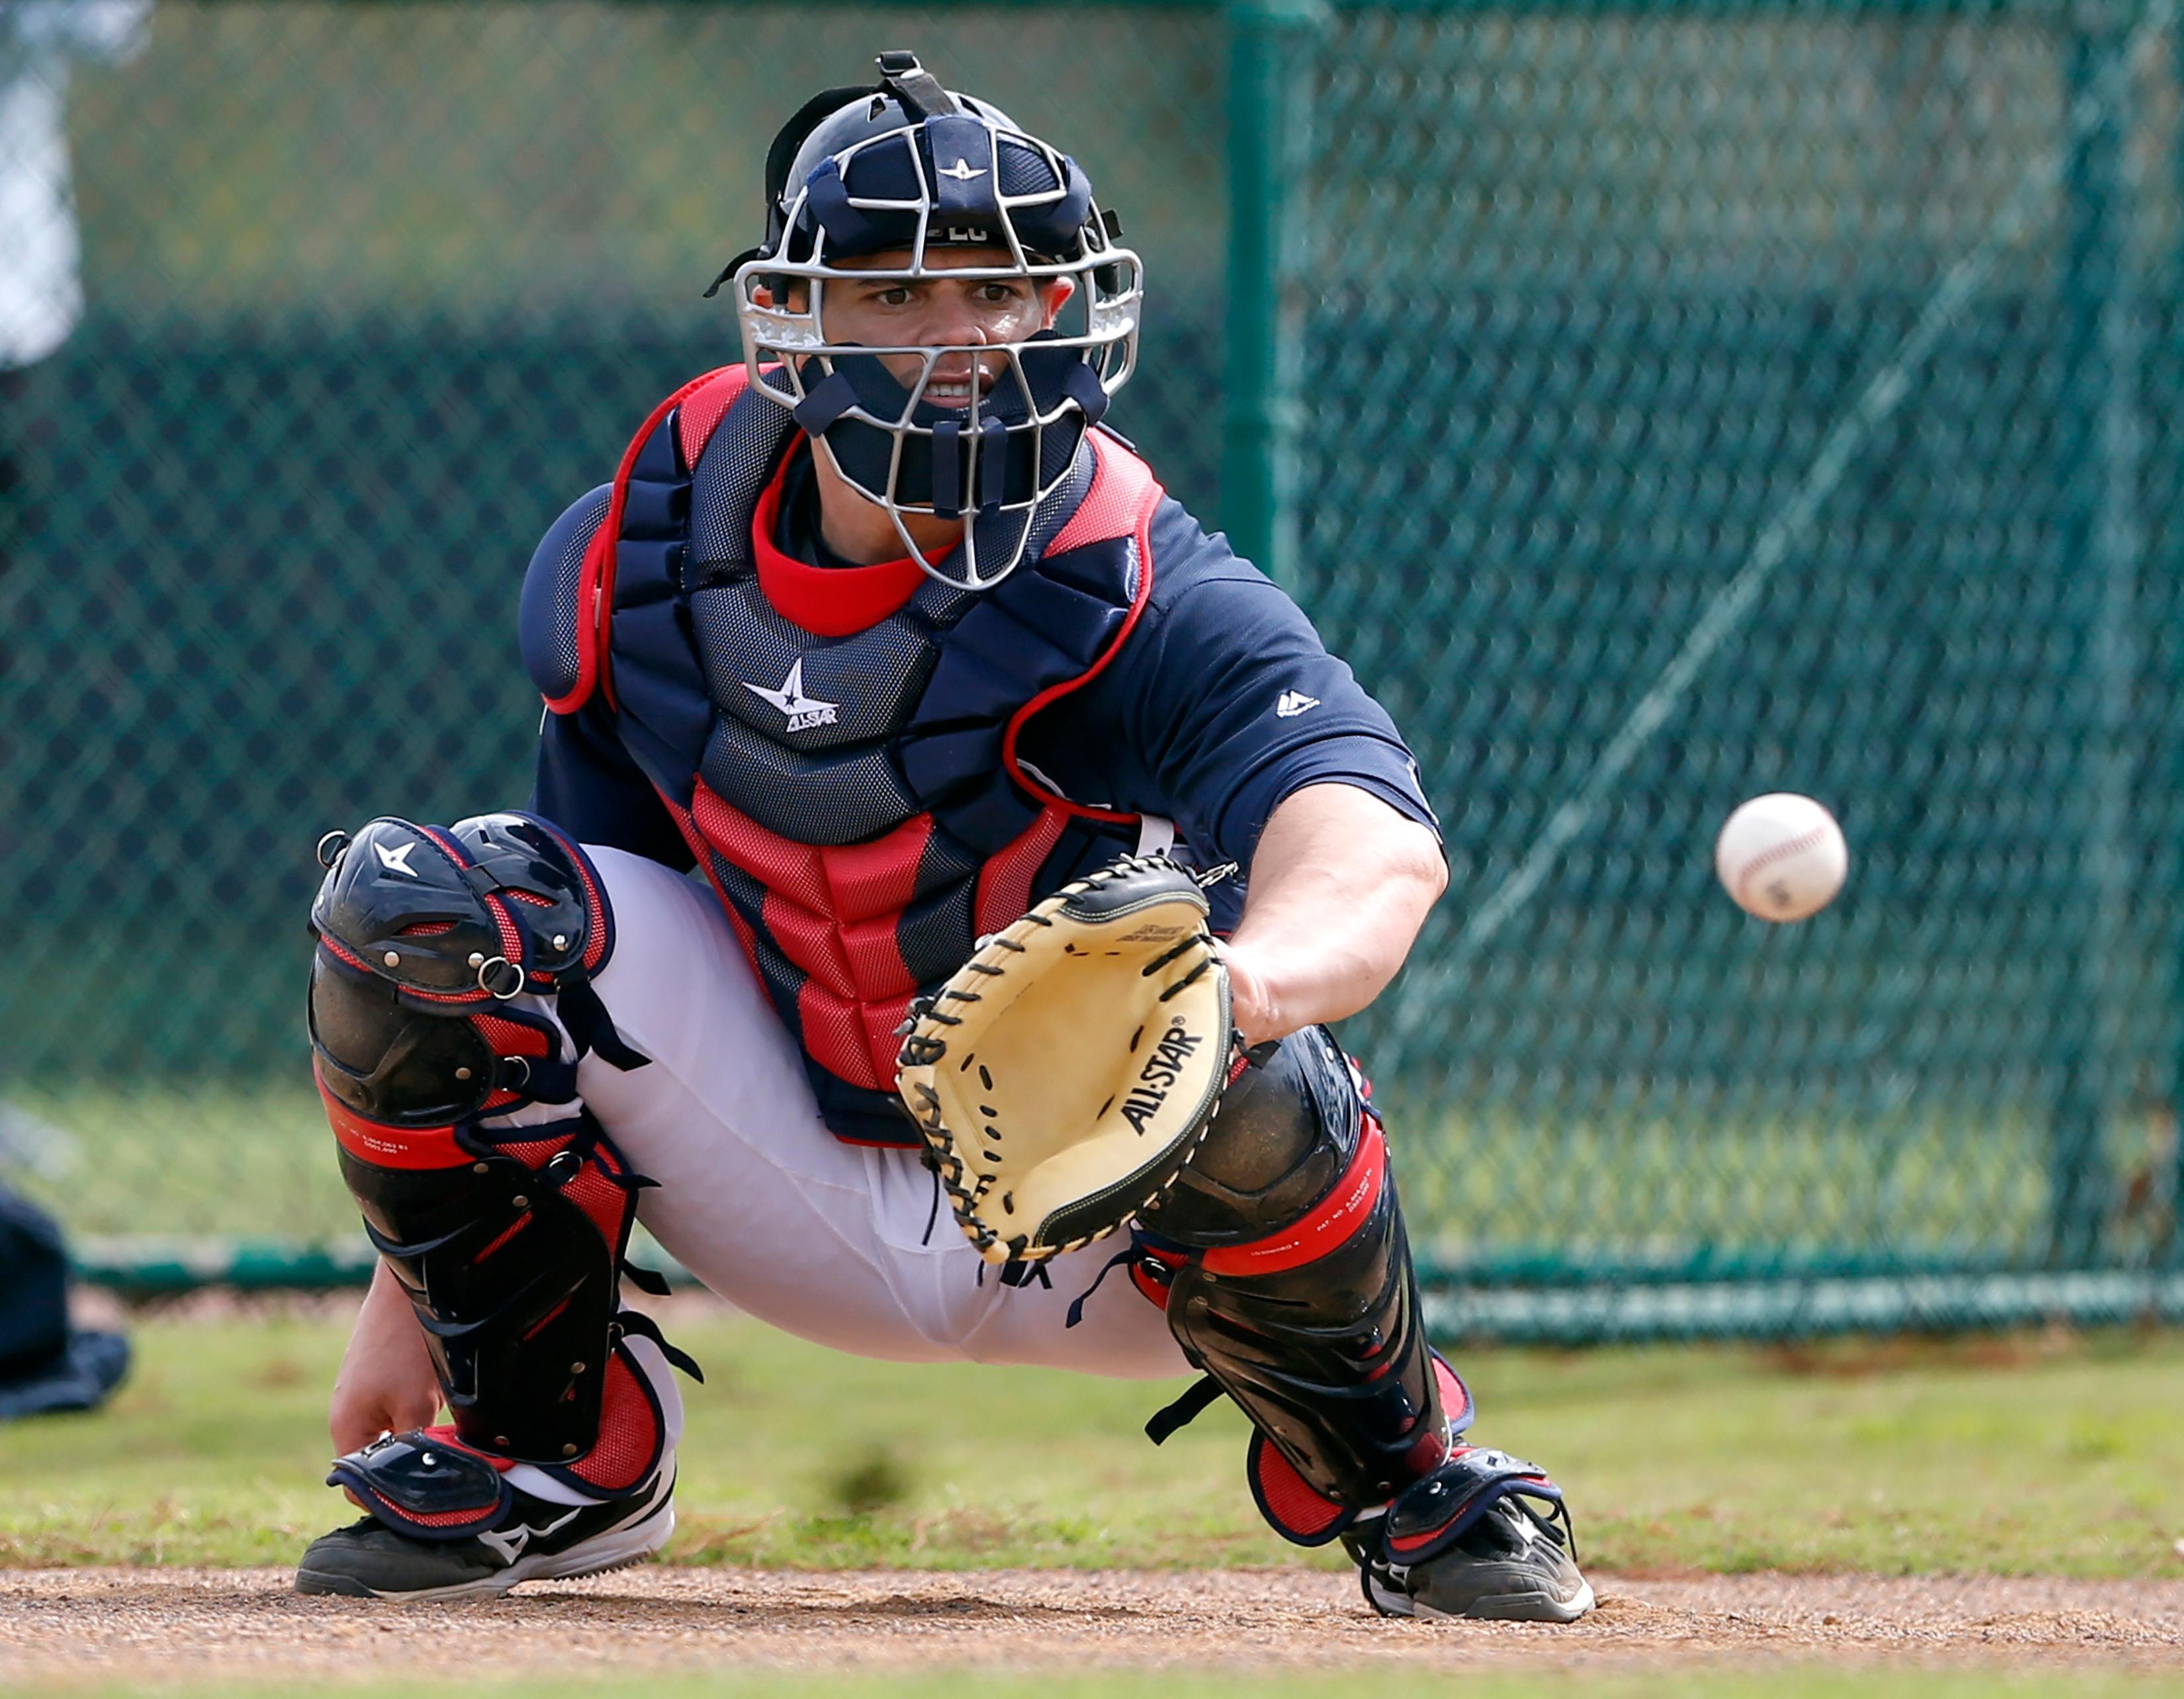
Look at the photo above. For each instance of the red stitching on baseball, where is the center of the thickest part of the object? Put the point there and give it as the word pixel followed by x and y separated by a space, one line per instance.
pixel 1766 857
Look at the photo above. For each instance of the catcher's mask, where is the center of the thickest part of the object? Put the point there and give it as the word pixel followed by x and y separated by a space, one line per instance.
pixel 906 167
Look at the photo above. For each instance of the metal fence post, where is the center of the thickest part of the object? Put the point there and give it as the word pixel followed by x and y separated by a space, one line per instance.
pixel 1268 110
pixel 2168 451
pixel 2101 320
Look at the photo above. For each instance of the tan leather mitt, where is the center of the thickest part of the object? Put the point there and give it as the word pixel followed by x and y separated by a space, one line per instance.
pixel 1066 1071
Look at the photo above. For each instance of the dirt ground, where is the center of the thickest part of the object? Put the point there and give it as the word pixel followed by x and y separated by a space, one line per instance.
pixel 240 1622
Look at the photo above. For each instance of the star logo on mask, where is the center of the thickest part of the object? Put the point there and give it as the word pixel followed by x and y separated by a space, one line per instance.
pixel 804 711
pixel 963 171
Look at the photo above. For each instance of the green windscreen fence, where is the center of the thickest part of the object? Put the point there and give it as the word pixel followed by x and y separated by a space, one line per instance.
pixel 1657 405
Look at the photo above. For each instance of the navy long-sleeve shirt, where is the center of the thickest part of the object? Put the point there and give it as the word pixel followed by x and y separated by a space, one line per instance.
pixel 1221 703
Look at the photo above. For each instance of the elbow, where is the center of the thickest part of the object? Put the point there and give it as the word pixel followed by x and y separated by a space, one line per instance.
pixel 1414 879
pixel 1422 866
pixel 1436 872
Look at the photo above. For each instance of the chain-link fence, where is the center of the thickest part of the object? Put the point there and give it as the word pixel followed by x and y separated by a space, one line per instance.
pixel 1657 406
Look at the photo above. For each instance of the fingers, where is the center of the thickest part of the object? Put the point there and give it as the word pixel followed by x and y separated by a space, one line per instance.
pixel 375 1397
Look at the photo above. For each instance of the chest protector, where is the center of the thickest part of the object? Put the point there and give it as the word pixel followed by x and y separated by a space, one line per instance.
pixel 855 800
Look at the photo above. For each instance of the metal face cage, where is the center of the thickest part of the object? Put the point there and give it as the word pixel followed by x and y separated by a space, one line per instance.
pixel 993 459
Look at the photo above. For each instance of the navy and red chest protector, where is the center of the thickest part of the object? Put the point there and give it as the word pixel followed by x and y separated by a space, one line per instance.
pixel 855 798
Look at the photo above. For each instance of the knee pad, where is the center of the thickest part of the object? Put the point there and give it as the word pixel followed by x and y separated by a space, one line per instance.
pixel 1287 1129
pixel 424 933
pixel 379 1057
pixel 508 1239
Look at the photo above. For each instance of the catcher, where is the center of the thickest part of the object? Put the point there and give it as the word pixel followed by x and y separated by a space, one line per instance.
pixel 960 717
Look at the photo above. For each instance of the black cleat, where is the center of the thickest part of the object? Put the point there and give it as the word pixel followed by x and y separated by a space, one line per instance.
pixel 1505 1560
pixel 532 1539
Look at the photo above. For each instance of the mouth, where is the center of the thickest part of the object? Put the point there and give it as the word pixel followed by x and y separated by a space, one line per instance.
pixel 953 389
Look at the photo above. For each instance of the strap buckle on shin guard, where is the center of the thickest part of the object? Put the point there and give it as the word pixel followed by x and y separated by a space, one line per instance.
pixel 1151 1271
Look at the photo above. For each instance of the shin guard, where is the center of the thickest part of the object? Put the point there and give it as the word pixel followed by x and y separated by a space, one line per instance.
pixel 511 1253
pixel 507 1239
pixel 1295 1293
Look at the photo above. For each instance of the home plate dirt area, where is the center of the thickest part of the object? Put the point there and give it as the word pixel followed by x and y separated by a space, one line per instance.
pixel 241 1623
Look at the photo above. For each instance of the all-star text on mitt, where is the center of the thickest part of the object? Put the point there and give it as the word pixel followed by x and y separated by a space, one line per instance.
pixel 1065 1073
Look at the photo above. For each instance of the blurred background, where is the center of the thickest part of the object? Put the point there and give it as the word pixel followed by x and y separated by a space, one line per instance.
pixel 1655 404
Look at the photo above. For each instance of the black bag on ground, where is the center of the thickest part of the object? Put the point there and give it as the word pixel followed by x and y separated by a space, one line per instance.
pixel 45 1364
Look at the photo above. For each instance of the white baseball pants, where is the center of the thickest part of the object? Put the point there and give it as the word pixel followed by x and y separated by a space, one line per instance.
pixel 848 1247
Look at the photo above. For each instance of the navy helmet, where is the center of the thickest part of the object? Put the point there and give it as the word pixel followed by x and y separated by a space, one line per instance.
pixel 904 168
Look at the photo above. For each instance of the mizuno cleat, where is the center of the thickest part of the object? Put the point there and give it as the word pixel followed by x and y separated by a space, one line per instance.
pixel 522 1536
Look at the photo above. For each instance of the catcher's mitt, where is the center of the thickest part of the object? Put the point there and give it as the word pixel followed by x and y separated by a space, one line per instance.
pixel 1066 1072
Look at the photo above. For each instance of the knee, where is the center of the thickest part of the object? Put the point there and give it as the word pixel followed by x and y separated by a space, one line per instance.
pixel 655 909
pixel 1286 1132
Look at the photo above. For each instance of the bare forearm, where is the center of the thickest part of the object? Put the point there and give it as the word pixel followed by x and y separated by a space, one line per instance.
pixel 1340 884
pixel 385 1383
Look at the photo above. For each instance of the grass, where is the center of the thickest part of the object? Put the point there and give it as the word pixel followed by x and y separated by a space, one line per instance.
pixel 1647 1183
pixel 244 1160
pixel 2030 1456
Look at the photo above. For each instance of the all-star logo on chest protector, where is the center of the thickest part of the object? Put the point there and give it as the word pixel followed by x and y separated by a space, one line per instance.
pixel 804 711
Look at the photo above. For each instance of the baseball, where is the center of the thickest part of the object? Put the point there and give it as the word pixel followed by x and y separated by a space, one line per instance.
pixel 1782 856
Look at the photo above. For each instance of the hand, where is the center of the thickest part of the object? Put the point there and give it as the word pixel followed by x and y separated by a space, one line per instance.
pixel 1250 999
pixel 386 1382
